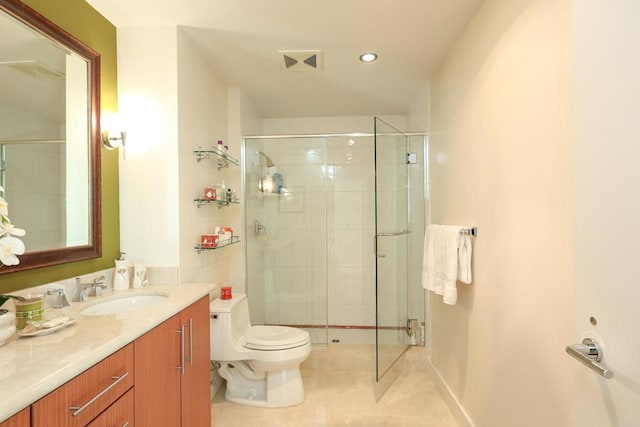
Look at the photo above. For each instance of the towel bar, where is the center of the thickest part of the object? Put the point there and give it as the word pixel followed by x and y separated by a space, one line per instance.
pixel 473 231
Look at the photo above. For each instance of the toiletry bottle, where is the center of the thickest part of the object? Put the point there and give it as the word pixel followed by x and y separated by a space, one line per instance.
pixel 220 147
pixel 121 274
pixel 140 276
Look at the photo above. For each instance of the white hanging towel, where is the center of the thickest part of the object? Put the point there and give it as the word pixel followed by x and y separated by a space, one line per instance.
pixel 446 259
pixel 464 259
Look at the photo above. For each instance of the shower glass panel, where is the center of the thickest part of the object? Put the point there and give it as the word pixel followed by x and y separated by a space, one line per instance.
pixel 391 243
pixel 286 217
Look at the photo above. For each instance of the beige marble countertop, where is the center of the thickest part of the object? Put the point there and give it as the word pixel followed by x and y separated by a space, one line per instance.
pixel 31 367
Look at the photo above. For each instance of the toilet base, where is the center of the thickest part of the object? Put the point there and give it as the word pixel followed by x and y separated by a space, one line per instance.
pixel 275 389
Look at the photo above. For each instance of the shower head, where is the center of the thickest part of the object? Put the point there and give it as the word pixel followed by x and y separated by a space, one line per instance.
pixel 270 163
pixel 271 181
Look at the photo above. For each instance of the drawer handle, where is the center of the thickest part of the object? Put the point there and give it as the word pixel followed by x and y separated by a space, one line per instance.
pixel 79 409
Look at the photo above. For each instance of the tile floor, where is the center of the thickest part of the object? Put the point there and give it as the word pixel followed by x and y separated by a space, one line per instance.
pixel 339 391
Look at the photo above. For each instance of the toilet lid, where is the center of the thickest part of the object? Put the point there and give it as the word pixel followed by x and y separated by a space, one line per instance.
pixel 275 338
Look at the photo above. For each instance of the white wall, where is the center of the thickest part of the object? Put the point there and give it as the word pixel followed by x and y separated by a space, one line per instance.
pixel 501 160
pixel 418 121
pixel 606 90
pixel 149 187
pixel 245 119
pixel 168 111
pixel 202 121
pixel 418 116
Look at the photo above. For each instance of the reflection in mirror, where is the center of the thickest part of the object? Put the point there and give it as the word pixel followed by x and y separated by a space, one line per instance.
pixel 49 146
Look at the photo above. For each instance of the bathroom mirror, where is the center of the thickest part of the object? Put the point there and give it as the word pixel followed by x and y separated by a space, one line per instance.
pixel 49 138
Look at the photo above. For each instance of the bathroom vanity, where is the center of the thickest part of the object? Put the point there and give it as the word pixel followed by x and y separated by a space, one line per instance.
pixel 112 369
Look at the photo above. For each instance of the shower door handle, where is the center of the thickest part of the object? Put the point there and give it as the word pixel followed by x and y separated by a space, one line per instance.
pixel 386 234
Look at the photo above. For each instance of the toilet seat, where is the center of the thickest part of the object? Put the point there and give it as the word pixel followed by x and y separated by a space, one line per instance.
pixel 275 338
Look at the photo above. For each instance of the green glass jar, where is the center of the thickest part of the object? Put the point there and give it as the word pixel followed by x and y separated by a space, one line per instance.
pixel 30 309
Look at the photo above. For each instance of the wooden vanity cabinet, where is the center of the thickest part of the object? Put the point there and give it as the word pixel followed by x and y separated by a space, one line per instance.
pixel 80 400
pixel 169 366
pixel 172 371
pixel 21 419
pixel 120 413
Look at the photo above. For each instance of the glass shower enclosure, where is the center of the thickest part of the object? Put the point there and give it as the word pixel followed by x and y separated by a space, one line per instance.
pixel 327 220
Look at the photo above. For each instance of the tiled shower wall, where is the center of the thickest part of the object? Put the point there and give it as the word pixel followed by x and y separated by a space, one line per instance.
pixel 350 224
pixel 315 263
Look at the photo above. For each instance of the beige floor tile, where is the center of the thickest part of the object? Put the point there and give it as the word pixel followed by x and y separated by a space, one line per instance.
pixel 335 397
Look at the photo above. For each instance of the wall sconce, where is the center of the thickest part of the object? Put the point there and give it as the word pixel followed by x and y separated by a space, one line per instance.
pixel 112 135
pixel 112 140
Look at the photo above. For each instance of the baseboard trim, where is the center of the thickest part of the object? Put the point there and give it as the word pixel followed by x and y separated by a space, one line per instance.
pixel 454 405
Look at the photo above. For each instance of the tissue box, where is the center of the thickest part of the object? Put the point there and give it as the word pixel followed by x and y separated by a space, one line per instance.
pixel 209 240
pixel 210 193
pixel 225 235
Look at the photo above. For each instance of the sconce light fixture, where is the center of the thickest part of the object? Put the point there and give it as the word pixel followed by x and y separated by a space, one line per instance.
pixel 113 137
pixel 113 140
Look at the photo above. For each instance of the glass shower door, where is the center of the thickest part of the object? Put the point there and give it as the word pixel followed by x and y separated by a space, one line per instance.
pixel 391 245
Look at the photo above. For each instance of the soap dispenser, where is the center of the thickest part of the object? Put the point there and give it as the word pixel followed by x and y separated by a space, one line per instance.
pixel 121 274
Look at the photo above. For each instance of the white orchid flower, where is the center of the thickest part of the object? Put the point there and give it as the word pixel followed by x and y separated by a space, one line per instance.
pixel 4 207
pixel 8 229
pixel 9 248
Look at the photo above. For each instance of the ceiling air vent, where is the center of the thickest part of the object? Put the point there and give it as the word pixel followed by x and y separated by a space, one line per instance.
pixel 301 60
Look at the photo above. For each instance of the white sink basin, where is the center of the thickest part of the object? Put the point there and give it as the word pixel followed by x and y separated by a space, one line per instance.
pixel 123 304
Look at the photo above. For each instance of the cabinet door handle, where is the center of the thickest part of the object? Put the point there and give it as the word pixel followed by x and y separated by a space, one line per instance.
pixel 190 359
pixel 79 409
pixel 181 332
pixel 126 424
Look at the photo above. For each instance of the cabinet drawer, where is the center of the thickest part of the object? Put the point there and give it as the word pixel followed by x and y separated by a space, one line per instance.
pixel 84 397
pixel 120 414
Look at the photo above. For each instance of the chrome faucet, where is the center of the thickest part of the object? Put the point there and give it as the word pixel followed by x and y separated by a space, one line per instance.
pixel 93 289
pixel 56 298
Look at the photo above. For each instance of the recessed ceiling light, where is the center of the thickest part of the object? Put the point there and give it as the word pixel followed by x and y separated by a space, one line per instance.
pixel 368 57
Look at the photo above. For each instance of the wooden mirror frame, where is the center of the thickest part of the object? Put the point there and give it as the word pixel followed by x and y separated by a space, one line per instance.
pixel 45 258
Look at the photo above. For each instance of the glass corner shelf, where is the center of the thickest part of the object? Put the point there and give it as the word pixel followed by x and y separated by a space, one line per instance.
pixel 221 203
pixel 223 160
pixel 199 248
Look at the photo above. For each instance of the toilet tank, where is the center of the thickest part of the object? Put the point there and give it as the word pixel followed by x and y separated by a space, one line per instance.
pixel 229 321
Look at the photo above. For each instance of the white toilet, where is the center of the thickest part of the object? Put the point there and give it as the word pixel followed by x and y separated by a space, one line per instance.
pixel 260 363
